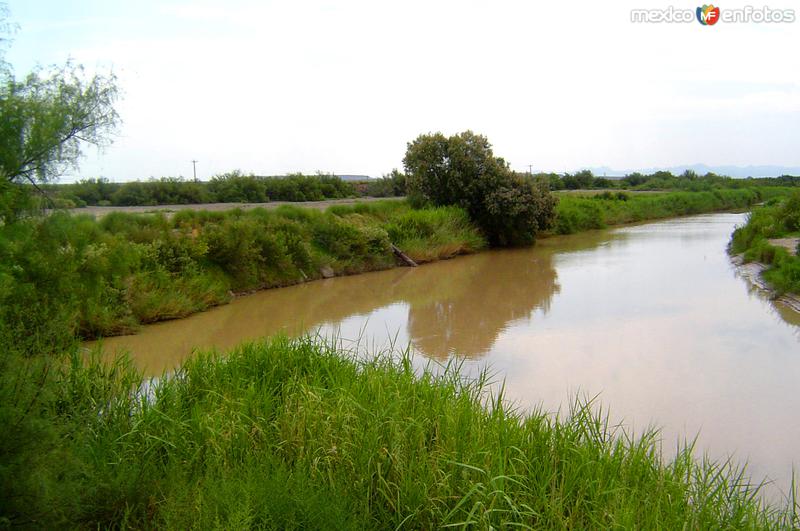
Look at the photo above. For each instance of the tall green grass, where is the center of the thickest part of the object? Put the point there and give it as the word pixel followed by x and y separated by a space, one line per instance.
pixel 424 234
pixel 298 434
pixel 577 213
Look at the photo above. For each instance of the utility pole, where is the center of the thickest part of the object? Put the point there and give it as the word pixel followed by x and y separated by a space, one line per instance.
pixel 194 168
pixel 530 169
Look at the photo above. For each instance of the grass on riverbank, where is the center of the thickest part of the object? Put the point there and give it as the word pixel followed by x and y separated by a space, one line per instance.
pixel 71 274
pixel 780 218
pixel 576 213
pixel 295 434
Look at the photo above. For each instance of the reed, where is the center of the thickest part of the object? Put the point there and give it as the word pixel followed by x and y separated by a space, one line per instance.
pixel 291 434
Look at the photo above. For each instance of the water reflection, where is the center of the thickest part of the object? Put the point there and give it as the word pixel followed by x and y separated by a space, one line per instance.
pixel 465 313
pixel 456 306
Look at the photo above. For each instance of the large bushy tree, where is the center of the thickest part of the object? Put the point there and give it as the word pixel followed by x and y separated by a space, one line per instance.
pixel 463 170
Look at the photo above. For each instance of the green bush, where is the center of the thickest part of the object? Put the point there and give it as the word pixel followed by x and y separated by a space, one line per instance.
pixel 790 213
pixel 462 170
pixel 353 243
pixel 135 227
pixel 232 187
pixel 391 185
pixel 577 214
pixel 248 252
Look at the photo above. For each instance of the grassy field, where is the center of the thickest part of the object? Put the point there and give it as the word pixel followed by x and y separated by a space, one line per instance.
pixel 299 435
pixel 779 218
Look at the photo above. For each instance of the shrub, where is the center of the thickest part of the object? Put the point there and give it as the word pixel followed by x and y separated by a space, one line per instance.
pixel 575 214
pixel 350 241
pixel 462 170
pixel 391 185
pixel 790 212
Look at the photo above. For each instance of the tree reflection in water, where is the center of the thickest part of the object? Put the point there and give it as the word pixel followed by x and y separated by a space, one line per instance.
pixel 466 311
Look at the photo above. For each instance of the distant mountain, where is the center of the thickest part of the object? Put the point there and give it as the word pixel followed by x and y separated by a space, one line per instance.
pixel 702 169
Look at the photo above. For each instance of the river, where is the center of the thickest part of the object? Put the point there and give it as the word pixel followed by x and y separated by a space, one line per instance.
pixel 653 319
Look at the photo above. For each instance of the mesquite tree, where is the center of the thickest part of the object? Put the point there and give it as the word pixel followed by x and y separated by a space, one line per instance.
pixel 46 118
pixel 462 170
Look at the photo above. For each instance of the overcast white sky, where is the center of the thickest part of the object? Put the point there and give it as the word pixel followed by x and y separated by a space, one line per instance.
pixel 341 86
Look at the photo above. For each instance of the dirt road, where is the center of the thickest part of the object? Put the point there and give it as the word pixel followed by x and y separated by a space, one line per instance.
pixel 100 211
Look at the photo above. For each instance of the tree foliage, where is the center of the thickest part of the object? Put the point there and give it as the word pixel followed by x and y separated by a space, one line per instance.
pixel 390 185
pixel 45 120
pixel 463 170
pixel 47 117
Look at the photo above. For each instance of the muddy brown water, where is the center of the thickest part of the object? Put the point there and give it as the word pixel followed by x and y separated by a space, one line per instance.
pixel 653 318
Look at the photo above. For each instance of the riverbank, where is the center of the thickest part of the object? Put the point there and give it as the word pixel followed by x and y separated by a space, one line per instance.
pixel 298 434
pixel 766 239
pixel 576 213
pixel 753 272
pixel 67 275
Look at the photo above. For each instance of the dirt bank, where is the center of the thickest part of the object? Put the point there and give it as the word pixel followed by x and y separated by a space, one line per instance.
pixel 751 271
pixel 790 244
